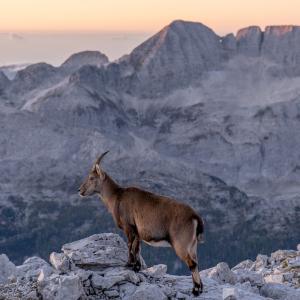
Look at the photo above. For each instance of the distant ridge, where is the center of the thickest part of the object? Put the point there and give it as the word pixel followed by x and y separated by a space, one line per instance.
pixel 80 59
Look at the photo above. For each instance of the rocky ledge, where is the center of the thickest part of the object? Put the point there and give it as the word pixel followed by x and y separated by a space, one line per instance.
pixel 94 268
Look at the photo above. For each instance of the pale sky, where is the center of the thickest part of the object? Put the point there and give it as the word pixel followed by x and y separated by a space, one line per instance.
pixel 142 15
pixel 37 25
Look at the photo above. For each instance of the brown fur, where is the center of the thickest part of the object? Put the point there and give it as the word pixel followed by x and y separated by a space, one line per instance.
pixel 152 218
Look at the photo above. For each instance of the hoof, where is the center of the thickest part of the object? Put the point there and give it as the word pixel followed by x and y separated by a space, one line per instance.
pixel 197 290
pixel 137 267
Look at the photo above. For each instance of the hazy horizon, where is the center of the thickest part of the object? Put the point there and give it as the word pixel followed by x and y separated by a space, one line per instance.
pixel 52 30
pixel 54 47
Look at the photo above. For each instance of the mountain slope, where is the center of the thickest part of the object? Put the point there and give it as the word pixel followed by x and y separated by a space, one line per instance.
pixel 178 54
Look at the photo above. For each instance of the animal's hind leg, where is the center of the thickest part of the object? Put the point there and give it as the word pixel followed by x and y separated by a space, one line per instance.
pixel 185 247
pixel 192 263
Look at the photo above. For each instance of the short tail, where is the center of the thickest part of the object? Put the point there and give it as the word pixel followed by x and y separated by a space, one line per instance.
pixel 200 230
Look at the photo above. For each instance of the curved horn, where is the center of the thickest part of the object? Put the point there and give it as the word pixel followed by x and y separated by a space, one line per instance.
pixel 100 158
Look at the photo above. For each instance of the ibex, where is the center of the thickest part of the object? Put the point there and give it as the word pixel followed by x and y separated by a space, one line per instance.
pixel 157 220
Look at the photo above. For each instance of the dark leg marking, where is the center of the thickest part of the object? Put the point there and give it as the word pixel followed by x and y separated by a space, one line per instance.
pixel 198 286
pixel 136 253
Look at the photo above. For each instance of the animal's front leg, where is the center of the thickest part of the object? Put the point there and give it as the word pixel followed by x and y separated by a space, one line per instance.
pixel 130 239
pixel 136 253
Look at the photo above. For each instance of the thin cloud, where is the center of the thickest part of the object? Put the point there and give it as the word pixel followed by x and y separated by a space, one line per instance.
pixel 14 36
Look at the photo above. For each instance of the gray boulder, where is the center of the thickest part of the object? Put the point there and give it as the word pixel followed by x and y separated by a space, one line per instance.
pixel 246 264
pixel 60 287
pixel 61 262
pixel 261 262
pixel 148 291
pixel 279 292
pixel 98 251
pixel 156 271
pixel 234 293
pixel 7 269
pixel 280 255
pixel 255 279
pixel 32 267
pixel 222 274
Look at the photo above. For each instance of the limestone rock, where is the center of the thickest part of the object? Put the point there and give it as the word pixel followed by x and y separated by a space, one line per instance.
pixel 281 44
pixel 156 271
pixel 127 289
pixel 261 261
pixel 105 282
pixel 61 262
pixel 275 277
pixel 294 263
pixel 7 269
pixel 254 278
pixel 233 293
pixel 21 289
pixel 60 287
pixel 32 267
pixel 147 291
pixel 98 251
pixel 125 273
pixel 280 255
pixel 249 40
pixel 229 42
pixel 222 274
pixel 246 264
pixel 279 291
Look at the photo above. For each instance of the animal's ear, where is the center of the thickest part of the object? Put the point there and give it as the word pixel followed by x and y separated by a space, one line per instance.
pixel 100 173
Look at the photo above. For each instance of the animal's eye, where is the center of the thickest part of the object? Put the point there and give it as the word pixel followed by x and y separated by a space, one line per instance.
pixel 92 178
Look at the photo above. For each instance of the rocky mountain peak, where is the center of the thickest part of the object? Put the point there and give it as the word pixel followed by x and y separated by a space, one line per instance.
pixel 249 40
pixel 282 45
pixel 178 33
pixel 33 76
pixel 280 30
pixel 178 54
pixel 80 59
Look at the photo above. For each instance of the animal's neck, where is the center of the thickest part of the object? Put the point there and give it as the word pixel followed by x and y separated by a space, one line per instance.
pixel 109 193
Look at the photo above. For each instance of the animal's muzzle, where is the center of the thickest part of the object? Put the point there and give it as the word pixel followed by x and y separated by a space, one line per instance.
pixel 81 192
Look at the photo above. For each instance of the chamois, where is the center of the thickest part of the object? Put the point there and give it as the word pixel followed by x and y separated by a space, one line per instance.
pixel 157 220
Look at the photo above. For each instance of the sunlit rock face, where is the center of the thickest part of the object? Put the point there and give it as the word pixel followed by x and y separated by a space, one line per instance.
pixel 281 44
pixel 174 57
pixel 249 40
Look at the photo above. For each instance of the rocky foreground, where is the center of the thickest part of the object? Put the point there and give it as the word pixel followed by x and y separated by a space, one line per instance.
pixel 94 268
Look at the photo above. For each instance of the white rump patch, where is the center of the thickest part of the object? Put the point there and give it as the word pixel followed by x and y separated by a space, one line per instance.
pixel 158 244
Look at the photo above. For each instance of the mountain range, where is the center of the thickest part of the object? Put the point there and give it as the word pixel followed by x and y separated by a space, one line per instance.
pixel 213 121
